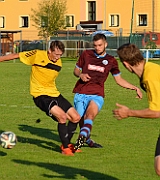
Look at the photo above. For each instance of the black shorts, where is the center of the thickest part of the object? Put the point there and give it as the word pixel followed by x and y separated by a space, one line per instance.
pixel 45 103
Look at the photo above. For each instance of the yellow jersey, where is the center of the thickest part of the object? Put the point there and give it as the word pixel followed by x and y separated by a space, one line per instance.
pixel 150 82
pixel 44 72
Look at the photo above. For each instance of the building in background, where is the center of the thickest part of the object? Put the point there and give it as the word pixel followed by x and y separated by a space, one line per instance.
pixel 122 17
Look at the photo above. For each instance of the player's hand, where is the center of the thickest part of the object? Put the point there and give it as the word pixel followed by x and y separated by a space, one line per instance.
pixel 139 93
pixel 121 112
pixel 85 77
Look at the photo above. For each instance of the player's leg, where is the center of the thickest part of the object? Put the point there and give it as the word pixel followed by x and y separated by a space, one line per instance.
pixel 50 105
pixel 81 122
pixel 99 101
pixel 94 106
pixel 74 118
pixel 63 130
pixel 157 157
pixel 89 141
pixel 92 144
pixel 80 104
pixel 91 113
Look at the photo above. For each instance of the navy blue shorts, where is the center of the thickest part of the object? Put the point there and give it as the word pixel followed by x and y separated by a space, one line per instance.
pixel 45 103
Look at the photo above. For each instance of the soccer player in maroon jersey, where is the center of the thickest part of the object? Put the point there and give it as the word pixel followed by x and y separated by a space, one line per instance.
pixel 92 69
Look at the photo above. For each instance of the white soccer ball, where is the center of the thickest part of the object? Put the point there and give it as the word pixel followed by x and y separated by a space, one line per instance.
pixel 8 140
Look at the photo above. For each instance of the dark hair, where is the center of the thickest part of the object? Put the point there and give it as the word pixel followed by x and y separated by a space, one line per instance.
pixel 57 44
pixel 99 36
pixel 130 53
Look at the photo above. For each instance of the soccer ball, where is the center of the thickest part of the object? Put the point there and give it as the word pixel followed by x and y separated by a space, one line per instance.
pixel 8 140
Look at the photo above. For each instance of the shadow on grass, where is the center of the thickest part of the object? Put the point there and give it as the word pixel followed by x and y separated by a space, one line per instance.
pixel 41 132
pixel 66 172
pixel 2 153
pixel 40 143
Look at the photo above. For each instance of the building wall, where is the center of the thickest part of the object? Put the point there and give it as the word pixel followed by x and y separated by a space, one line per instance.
pixel 13 9
pixel 152 11
pixel 123 8
pixel 74 8
pixel 142 7
pixel 156 15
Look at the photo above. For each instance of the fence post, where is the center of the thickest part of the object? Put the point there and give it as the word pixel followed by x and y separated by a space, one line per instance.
pixel 147 55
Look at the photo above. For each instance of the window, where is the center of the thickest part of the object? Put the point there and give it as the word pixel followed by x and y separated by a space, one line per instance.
pixel 69 21
pixel 91 10
pixel 2 21
pixel 142 20
pixel 24 21
pixel 114 20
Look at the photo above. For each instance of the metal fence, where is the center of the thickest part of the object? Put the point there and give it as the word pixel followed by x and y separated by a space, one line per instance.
pixel 76 44
pixel 148 54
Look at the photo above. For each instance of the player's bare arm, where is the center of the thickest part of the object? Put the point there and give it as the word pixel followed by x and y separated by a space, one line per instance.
pixel 123 112
pixel 85 77
pixel 122 82
pixel 9 57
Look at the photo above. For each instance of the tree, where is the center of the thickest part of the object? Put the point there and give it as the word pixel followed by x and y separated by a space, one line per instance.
pixel 49 17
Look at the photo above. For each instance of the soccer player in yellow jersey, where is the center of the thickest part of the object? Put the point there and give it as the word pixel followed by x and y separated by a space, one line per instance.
pixel 149 75
pixel 45 69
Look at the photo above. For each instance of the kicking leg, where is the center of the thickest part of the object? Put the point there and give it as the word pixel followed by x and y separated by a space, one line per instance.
pixel 62 129
pixel 73 118
pixel 90 114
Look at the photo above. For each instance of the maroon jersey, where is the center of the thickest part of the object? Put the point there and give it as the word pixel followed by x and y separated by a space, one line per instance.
pixel 98 69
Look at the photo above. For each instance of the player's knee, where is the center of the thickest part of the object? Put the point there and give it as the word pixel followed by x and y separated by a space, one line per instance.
pixel 62 118
pixel 76 118
pixel 90 115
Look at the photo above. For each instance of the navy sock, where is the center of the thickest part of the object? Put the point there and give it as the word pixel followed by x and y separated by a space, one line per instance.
pixel 63 134
pixel 71 130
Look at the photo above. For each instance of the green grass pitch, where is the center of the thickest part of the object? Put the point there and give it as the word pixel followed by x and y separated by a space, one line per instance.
pixel 128 145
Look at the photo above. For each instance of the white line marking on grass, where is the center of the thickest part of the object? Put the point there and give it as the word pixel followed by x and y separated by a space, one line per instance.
pixel 29 107
pixel 15 106
pixel 3 105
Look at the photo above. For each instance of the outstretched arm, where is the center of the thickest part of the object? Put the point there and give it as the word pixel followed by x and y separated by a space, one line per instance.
pixel 122 82
pixel 124 112
pixel 9 57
